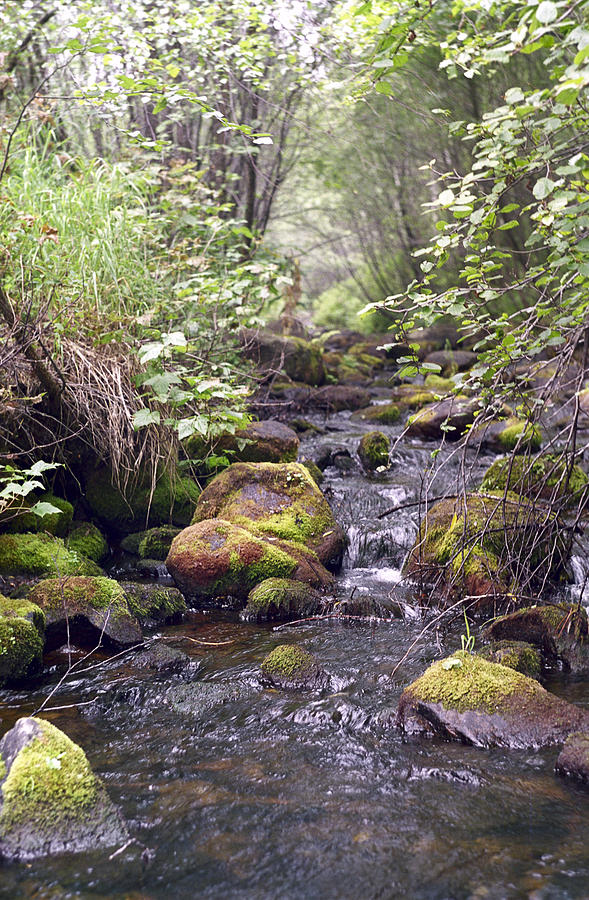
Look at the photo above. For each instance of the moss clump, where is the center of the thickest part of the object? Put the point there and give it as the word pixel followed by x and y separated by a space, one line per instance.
pixel 384 414
pixel 152 601
pixel 156 543
pixel 41 554
pixel 54 523
pixel 281 598
pixel 510 435
pixel 171 500
pixel 561 632
pixel 540 477
pixel 516 655
pixel 373 450
pixel 86 539
pixel 314 471
pixel 22 609
pixel 288 661
pixel 21 649
pixel 77 593
pixel 466 682
pixel 438 384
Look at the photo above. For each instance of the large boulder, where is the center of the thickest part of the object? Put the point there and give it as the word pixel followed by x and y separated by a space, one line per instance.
pixel 170 501
pixel 506 436
pixel 518 655
pixel 87 540
pixel 217 559
pixel 22 625
pixel 266 441
pixel 154 543
pixel 380 413
pixel 446 418
pixel 469 699
pixel 50 800
pixel 281 598
pixel 41 555
pixel 561 633
pixel 544 477
pixel 87 611
pixel 488 545
pixel 299 359
pixel 275 500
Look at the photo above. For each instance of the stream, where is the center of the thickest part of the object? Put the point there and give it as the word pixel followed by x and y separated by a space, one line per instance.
pixel 233 790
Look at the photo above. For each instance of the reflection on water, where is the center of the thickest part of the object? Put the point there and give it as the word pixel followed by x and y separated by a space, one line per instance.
pixel 234 790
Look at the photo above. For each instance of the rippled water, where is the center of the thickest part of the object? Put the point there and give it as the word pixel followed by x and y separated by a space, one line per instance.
pixel 235 790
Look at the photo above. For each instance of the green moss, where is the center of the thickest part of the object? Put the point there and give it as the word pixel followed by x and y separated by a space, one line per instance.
pixel 86 539
pixel 22 609
pixel 541 477
pixel 385 414
pixel 509 436
pixel 78 593
pixel 438 384
pixel 53 523
pixel 151 601
pixel 49 783
pixel 373 450
pixel 281 596
pixel 171 501
pixel 156 543
pixel 21 648
pixel 41 554
pixel 314 471
pixel 288 660
pixel 471 683
pixel 517 655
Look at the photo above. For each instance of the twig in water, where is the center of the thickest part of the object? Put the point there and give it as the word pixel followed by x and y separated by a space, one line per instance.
pixel 207 643
pixel 369 620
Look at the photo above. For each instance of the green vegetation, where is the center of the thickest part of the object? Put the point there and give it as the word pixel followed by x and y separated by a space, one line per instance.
pixel 289 661
pixel 41 554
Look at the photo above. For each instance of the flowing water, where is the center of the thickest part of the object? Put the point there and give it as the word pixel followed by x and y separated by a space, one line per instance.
pixel 235 790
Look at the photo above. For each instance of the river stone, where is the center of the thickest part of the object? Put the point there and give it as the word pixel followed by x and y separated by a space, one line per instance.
pixel 275 500
pixel 290 666
pixel 337 397
pixel 281 598
pixel 299 359
pixel 56 523
pixel 90 610
pixel 468 547
pixel 573 759
pixel 382 413
pixel 154 602
pixel 373 450
pixel 542 477
pixel 267 441
pixel 22 625
pixel 161 658
pixel 452 361
pixel 469 699
pixel 50 800
pixel 561 632
pixel 445 418
pixel 413 396
pixel 516 655
pixel 41 555
pixel 86 539
pixel 216 559
pixel 506 436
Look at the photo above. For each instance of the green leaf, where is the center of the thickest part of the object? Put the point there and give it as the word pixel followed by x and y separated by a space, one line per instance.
pixel 542 188
pixel 144 417
pixel 41 508
pixel 452 663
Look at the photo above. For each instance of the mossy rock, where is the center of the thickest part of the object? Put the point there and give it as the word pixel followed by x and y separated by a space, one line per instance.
pixel 21 640
pixel 88 610
pixel 452 361
pixel 278 500
pixel 382 413
pixel 573 760
pixel 516 655
pixel 154 602
pixel 172 501
pixel 56 523
pixel 50 800
pixel 560 631
pixel 373 450
pixel 290 666
pixel 298 358
pixel 507 436
pixel 314 471
pixel 88 540
pixel 490 546
pixel 447 419
pixel 539 478
pixel 469 699
pixel 412 396
pixel 266 441
pixel 156 542
pixel 281 598
pixel 41 555
pixel 439 384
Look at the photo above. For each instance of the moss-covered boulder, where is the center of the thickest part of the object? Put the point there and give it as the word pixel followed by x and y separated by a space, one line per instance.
pixel 172 501
pixel 411 396
pixel 266 441
pixel 561 633
pixel 22 625
pixel 469 699
pixel 299 359
pixel 275 500
pixel 439 384
pixel 446 418
pixel 516 655
pixel 281 598
pixel 217 559
pixel 50 800
pixel 506 436
pixel 155 543
pixel 337 397
pixel 373 450
pixel 56 523
pixel 452 361
pixel 154 602
pixel 41 555
pixel 381 413
pixel 87 610
pixel 487 545
pixel 544 477
pixel 573 760
pixel 290 666
pixel 87 540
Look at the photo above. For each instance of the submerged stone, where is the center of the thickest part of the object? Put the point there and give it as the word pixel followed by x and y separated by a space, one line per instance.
pixel 560 631
pixel 573 759
pixel 469 699
pixel 290 666
pixel 50 800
